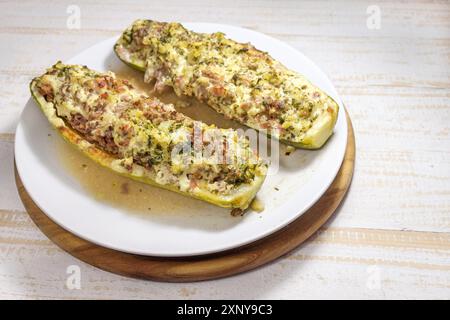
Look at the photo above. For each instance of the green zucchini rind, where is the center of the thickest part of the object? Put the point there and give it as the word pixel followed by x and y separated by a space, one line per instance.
pixel 148 45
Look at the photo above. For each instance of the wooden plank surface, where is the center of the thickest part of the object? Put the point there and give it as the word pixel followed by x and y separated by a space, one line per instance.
pixel 390 238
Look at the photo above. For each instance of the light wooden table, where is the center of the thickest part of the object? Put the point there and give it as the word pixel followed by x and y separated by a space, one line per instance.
pixel 390 238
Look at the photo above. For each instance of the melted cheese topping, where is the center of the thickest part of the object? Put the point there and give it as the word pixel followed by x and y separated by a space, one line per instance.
pixel 234 78
pixel 140 129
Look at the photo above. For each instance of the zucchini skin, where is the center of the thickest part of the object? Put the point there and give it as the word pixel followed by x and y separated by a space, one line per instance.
pixel 314 137
pixel 238 199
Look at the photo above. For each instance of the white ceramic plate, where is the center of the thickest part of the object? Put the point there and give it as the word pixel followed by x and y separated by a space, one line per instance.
pixel 173 225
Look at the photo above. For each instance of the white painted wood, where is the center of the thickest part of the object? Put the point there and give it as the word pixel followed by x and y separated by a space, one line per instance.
pixel 393 226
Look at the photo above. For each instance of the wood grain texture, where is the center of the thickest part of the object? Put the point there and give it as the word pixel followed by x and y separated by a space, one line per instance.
pixel 206 267
pixel 395 82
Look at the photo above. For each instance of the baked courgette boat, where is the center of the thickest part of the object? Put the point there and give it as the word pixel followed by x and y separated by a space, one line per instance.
pixel 236 79
pixel 142 138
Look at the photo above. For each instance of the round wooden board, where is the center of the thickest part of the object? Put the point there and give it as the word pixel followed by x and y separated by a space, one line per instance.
pixel 204 267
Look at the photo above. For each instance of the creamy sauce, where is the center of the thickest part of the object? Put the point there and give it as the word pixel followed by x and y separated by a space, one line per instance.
pixel 105 185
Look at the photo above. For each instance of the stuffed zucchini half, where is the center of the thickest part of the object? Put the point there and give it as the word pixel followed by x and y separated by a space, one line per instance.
pixel 142 138
pixel 235 79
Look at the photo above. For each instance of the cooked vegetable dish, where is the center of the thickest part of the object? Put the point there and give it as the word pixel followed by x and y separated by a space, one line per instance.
pixel 236 79
pixel 138 136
